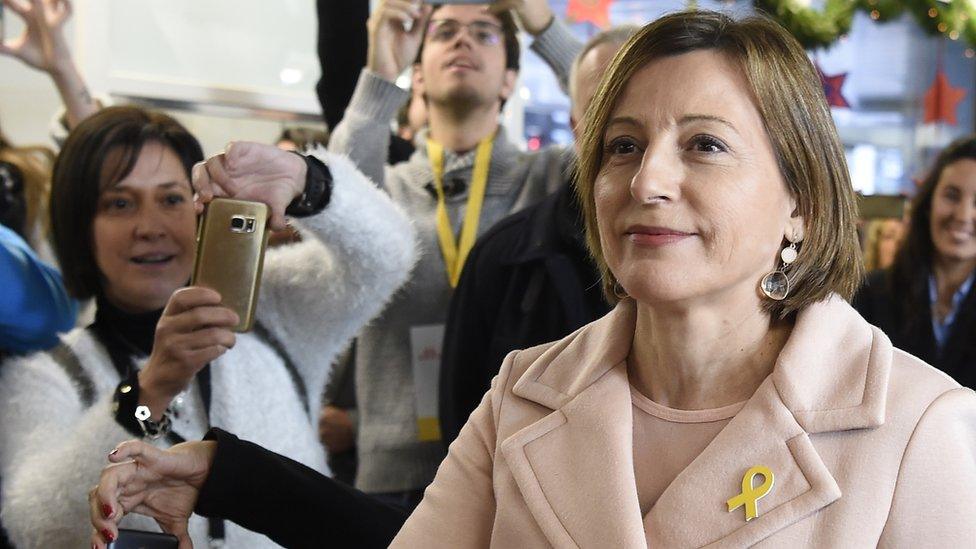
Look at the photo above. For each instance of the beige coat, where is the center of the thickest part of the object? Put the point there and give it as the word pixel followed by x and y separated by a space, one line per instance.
pixel 868 446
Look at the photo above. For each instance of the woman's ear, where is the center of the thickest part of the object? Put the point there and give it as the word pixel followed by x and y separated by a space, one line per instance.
pixel 795 230
pixel 795 226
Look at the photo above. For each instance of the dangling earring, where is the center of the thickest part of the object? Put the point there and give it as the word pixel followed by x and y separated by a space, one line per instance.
pixel 619 292
pixel 776 285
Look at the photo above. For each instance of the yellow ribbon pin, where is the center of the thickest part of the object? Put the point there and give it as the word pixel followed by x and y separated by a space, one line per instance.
pixel 750 496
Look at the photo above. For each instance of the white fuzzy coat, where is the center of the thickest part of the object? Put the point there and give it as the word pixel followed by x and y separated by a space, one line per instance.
pixel 315 296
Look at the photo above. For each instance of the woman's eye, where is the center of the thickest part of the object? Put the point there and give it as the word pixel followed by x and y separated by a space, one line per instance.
pixel 175 199
pixel 707 144
pixel 117 204
pixel 621 145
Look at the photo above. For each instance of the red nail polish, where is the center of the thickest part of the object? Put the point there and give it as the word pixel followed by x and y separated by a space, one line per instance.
pixel 108 535
pixel 106 510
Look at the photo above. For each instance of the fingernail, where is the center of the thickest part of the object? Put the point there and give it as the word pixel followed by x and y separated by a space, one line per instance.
pixel 107 510
pixel 107 534
pixel 113 452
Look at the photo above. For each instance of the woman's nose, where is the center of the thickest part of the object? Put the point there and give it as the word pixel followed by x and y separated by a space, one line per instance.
pixel 659 178
pixel 149 224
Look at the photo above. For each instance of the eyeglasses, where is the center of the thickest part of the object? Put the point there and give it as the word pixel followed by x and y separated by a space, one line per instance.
pixel 444 30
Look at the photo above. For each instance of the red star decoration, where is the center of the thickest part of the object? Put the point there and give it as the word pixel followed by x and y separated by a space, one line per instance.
pixel 594 11
pixel 941 100
pixel 832 88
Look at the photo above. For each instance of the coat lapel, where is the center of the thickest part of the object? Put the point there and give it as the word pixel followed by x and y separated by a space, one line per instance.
pixel 692 512
pixel 574 466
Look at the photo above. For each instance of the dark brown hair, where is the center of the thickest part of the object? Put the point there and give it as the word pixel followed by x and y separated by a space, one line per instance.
pixel 98 153
pixel 790 99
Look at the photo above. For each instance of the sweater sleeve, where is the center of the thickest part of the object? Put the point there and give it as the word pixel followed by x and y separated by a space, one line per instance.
pixel 317 294
pixel 558 48
pixel 35 306
pixel 364 133
pixel 934 501
pixel 52 450
pixel 290 503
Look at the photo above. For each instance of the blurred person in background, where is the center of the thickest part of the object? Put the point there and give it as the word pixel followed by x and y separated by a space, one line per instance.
pixel 160 361
pixel 926 301
pixel 881 241
pixel 529 279
pixel 465 176
pixel 25 179
pixel 302 139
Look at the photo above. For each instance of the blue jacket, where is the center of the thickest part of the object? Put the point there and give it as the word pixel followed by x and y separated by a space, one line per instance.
pixel 34 305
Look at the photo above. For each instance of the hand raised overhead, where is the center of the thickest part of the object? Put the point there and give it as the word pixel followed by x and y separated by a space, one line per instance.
pixel 252 171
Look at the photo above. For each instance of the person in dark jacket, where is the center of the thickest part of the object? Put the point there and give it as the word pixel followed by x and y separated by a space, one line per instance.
pixel 926 302
pixel 528 280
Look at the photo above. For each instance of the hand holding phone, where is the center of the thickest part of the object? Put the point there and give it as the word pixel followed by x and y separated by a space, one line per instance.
pixel 254 172
pixel 193 330
pixel 231 241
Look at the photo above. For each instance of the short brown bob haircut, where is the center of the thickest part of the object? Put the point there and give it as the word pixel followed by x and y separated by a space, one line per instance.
pixel 100 152
pixel 790 99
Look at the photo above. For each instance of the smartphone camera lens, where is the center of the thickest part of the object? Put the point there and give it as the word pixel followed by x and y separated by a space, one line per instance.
pixel 237 224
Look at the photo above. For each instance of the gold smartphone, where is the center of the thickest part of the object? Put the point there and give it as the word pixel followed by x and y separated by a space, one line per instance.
pixel 231 238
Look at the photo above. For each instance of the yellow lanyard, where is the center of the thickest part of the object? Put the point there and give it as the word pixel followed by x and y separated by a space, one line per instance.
pixel 455 253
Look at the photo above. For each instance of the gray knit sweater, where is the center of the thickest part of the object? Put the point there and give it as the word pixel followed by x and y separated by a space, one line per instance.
pixel 391 459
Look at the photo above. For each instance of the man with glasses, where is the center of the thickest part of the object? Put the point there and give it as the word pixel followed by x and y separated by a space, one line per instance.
pixel 465 175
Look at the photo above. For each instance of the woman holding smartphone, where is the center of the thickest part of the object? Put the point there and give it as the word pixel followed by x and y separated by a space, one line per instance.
pixel 160 361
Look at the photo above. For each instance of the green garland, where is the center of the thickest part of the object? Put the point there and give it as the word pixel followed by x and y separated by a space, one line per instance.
pixel 955 19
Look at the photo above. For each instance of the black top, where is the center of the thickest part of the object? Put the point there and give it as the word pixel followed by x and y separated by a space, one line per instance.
pixel 910 327
pixel 132 331
pixel 528 280
pixel 290 503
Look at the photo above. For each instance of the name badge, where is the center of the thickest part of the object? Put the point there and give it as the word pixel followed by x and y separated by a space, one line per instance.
pixel 425 347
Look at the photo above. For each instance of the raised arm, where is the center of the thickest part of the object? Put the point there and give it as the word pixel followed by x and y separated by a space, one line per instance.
pixel 364 133
pixel 357 248
pixel 35 306
pixel 552 40
pixel 44 47
pixel 316 295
